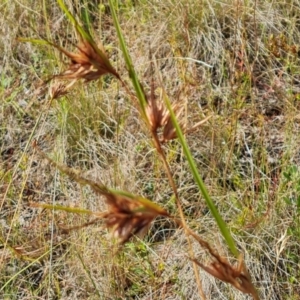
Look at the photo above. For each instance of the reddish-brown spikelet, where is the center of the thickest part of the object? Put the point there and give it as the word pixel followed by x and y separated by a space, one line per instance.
pixel 220 268
pixel 159 117
pixel 87 64
pixel 155 113
pixel 129 216
pixel 59 89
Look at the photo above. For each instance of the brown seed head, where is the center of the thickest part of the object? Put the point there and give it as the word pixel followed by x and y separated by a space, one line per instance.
pixel 238 276
pixel 127 216
pixel 169 132
pixel 156 114
pixel 89 63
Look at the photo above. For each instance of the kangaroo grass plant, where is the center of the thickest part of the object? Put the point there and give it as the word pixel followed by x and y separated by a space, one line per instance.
pixel 158 116
pixel 129 215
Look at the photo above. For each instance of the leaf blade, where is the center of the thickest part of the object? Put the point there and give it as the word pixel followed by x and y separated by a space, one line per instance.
pixel 219 220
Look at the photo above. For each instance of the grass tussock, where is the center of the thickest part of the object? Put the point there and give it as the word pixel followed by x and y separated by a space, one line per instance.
pixel 107 89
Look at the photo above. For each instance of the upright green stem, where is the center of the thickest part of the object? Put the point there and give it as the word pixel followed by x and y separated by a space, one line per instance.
pixel 132 74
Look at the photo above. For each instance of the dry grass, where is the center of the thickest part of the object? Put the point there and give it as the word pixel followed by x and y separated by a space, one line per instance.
pixel 247 152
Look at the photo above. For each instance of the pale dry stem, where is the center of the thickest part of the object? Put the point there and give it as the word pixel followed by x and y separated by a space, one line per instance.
pixel 178 203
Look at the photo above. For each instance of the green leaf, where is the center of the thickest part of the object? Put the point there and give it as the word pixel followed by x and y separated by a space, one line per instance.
pixel 222 225
pixel 85 17
pixel 132 74
pixel 84 34
pixel 34 41
pixel 74 210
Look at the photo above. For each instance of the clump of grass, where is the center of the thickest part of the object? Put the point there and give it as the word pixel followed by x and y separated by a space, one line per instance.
pixel 229 67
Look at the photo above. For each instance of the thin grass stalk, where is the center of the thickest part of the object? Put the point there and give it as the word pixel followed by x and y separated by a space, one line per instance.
pixel 132 74
pixel 87 271
pixel 57 207
pixel 24 269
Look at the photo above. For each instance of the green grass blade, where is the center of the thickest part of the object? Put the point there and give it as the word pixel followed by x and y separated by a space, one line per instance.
pixel 222 225
pixel 44 42
pixel 85 17
pixel 34 41
pixel 132 74
pixel 74 210
pixel 84 34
